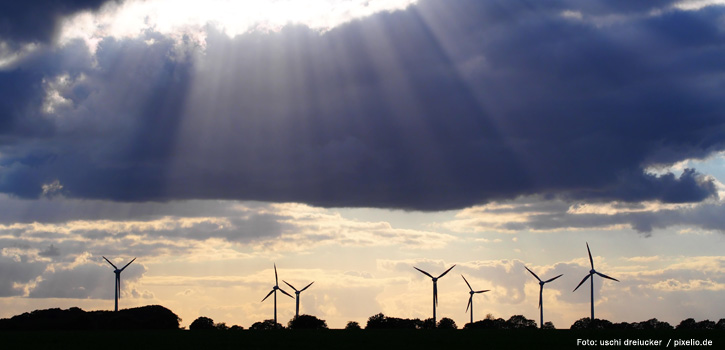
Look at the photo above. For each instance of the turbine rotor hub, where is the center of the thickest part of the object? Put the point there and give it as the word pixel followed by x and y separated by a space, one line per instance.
pixel 591 272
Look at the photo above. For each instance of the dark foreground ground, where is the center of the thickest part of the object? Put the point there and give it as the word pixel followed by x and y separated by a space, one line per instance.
pixel 363 339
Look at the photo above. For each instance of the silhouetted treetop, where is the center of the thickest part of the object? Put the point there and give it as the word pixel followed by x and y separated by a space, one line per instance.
pixel 306 322
pixel 202 323
pixel 352 325
pixel 265 325
pixel 146 317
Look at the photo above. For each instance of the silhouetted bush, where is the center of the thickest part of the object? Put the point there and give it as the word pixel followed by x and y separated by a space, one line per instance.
pixel 548 325
pixel 306 322
pixel 352 325
pixel 202 323
pixel 265 326
pixel 236 328
pixel 447 323
pixel 146 317
pixel 221 326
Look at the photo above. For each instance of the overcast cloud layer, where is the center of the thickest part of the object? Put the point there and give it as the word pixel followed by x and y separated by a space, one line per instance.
pixel 442 105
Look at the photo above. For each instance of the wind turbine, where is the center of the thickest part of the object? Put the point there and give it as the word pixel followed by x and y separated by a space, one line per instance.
pixel 470 299
pixel 274 290
pixel 297 295
pixel 435 289
pixel 591 274
pixel 118 271
pixel 541 294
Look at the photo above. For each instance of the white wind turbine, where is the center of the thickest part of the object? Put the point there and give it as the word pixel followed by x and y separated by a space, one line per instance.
pixel 591 274
pixel 274 290
pixel 297 296
pixel 118 271
pixel 470 299
pixel 435 289
pixel 541 294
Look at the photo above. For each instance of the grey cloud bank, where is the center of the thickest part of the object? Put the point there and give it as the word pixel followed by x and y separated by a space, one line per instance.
pixel 441 106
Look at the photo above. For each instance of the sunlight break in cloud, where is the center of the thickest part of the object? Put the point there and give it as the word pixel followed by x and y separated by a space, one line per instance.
pixel 188 18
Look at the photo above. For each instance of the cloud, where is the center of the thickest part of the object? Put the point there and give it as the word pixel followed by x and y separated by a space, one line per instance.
pixel 539 214
pixel 442 105
pixel 85 280
pixel 38 21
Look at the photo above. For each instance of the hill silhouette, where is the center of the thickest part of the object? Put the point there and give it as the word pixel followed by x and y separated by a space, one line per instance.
pixel 152 317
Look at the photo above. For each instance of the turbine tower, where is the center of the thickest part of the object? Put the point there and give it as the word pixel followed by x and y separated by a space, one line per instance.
pixel 435 289
pixel 470 299
pixel 274 290
pixel 297 296
pixel 541 294
pixel 118 271
pixel 591 274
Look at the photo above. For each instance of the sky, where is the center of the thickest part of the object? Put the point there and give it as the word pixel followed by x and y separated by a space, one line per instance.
pixel 349 141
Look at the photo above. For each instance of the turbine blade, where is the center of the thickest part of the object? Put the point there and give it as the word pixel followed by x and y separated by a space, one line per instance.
pixel 425 273
pixel 276 280
pixel 109 261
pixel 282 290
pixel 308 286
pixel 532 272
pixel 605 276
pixel 551 279
pixel 470 301
pixel 270 293
pixel 469 285
pixel 443 274
pixel 129 263
pixel 482 291
pixel 291 286
pixel 582 282
pixel 591 261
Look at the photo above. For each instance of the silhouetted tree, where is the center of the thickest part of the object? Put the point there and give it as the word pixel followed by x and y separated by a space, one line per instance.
pixel 720 324
pixel 447 323
pixel 376 321
pixel 706 324
pixel 202 323
pixel 221 326
pixel 380 321
pixel 352 325
pixel 487 323
pixel 306 322
pixel 548 325
pixel 520 322
pixel 265 325
pixel 426 324
pixel 586 323
pixel 146 317
pixel 688 323
pixel 652 324
pixel 236 328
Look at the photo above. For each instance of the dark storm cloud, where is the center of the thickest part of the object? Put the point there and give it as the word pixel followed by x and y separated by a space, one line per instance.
pixel 443 105
pixel 38 20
